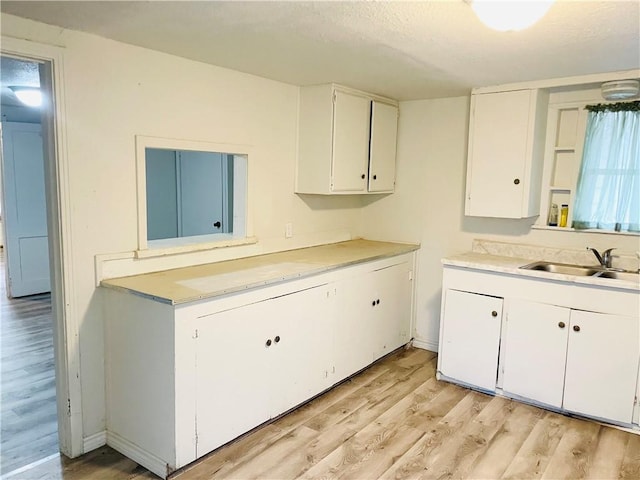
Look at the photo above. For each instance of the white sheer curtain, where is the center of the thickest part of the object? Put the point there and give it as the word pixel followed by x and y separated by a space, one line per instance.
pixel 608 192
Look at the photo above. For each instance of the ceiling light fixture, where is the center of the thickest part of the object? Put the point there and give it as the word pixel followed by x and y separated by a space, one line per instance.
pixel 620 89
pixel 512 15
pixel 30 96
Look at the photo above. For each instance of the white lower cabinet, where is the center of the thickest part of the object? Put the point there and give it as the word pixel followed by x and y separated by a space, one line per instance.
pixel 245 373
pixel 185 379
pixel 554 350
pixel 370 317
pixel 602 366
pixel 583 362
pixel 470 338
pixel 392 287
pixel 535 350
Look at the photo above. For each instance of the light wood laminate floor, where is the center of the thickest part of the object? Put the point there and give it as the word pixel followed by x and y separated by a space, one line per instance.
pixel 29 428
pixel 396 421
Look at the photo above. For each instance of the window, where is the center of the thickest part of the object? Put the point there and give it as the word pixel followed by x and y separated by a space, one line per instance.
pixel 608 188
pixel 190 195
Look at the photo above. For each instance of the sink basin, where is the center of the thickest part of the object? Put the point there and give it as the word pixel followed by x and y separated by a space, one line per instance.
pixel 628 276
pixel 582 271
pixel 563 268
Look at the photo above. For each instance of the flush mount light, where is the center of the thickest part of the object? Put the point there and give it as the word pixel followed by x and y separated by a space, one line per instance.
pixel 30 96
pixel 620 90
pixel 512 15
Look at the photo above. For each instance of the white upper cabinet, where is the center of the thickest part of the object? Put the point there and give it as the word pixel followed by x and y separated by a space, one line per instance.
pixel 506 149
pixel 346 142
pixel 382 156
pixel 351 119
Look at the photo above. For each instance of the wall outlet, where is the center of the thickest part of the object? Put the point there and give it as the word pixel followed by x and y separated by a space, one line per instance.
pixel 288 230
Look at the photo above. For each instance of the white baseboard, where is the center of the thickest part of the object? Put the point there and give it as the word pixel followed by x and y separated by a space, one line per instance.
pixel 425 345
pixel 94 441
pixel 138 455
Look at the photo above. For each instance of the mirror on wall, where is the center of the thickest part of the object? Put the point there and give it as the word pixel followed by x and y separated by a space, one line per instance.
pixel 191 194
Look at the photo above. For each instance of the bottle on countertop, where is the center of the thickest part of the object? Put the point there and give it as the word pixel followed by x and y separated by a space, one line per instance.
pixel 564 215
pixel 553 215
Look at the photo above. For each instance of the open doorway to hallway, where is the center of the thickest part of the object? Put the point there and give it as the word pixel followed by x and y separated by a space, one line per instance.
pixel 28 405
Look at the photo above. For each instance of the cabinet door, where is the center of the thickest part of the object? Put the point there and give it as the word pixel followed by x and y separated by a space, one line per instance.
pixel 498 136
pixel 233 391
pixel 353 331
pixel 257 361
pixel 392 312
pixel 535 351
pixel 351 129
pixel 300 353
pixel 602 365
pixel 471 336
pixel 382 154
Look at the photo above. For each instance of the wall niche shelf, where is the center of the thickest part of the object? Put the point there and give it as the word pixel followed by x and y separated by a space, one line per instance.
pixel 566 124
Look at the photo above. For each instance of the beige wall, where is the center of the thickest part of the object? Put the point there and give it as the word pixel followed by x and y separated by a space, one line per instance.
pixel 116 91
pixel 428 206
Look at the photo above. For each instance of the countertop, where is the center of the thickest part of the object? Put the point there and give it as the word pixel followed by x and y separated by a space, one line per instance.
pixel 183 285
pixel 511 265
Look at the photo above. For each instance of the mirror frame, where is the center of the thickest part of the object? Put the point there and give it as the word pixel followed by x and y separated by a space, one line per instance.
pixel 194 243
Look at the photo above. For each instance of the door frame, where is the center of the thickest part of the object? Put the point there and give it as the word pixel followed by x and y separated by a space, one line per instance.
pixel 65 331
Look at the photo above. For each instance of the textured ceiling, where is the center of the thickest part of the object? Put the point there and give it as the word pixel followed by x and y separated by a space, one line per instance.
pixel 15 72
pixel 406 50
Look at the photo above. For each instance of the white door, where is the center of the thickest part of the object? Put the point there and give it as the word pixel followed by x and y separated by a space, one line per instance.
pixel 257 361
pixel 200 193
pixel 354 326
pixel 392 312
pixel 602 363
pixel 469 350
pixel 233 392
pixel 24 209
pixel 351 129
pixel 300 352
pixel 497 154
pixel 382 155
pixel 535 351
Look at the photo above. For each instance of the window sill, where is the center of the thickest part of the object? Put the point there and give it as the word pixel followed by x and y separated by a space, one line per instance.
pixel 159 251
pixel 589 230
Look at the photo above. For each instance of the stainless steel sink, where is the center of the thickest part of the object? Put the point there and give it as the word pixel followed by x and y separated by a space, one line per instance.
pixel 582 271
pixel 563 268
pixel 627 276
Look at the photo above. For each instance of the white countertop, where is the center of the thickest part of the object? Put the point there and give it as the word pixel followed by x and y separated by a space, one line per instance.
pixel 511 265
pixel 189 284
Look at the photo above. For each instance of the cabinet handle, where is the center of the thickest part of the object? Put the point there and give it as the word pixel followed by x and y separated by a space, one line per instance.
pixel 494 314
pixel 516 181
pixel 375 177
pixel 561 324
pixel 268 343
pixel 373 304
pixel 378 302
pixel 217 224
pixel 277 339
pixel 576 328
pixel 363 176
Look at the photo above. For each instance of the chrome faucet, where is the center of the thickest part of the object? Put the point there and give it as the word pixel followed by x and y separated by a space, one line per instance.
pixel 604 258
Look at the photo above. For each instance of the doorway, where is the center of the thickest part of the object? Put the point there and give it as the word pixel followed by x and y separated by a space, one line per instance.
pixel 64 324
pixel 28 410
